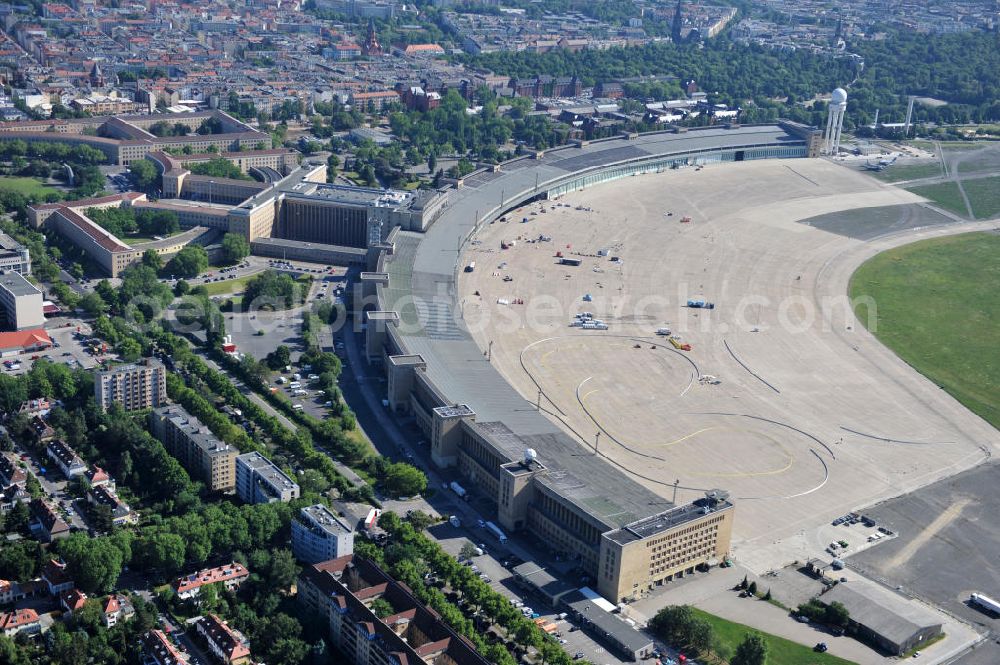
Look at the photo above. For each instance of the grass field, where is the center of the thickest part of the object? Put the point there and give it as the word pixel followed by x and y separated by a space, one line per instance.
pixel 939 310
pixel 228 286
pixel 909 172
pixel 30 187
pixel 779 650
pixel 945 195
pixel 984 196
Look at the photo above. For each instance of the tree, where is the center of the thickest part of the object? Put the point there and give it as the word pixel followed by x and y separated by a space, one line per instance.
pixel 276 360
pixel 382 608
pixel 468 550
pixel 129 349
pixel 143 175
pixel 235 247
pixel 752 589
pixel 152 259
pixel 283 570
pixel 181 288
pixel 93 304
pixel 401 479
pixel 751 651
pixel 94 563
pixel 190 261
pixel 837 614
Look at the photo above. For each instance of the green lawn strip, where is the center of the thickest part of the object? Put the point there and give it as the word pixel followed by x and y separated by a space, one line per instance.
pixel 779 650
pixel 938 309
pixel 25 186
pixel 945 194
pixel 908 172
pixel 984 197
pixel 237 285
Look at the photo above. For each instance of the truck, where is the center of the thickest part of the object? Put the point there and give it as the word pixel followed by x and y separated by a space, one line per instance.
pixel 458 489
pixel 496 531
pixel 700 303
pixel 985 603
pixel 372 518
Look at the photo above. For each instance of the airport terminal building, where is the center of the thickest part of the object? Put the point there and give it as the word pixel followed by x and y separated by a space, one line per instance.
pixel 541 479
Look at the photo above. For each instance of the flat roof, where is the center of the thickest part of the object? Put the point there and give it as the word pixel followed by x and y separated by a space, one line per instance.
pixel 301 244
pixel 422 268
pixel 456 411
pixel 411 359
pixel 884 612
pixel 369 197
pixel 540 578
pixel 666 520
pixel 267 469
pixel 609 624
pixel 15 284
pixel 199 433
pixel 320 517
pixel 9 244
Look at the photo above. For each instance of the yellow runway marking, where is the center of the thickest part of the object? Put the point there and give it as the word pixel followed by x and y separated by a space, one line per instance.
pixel 684 438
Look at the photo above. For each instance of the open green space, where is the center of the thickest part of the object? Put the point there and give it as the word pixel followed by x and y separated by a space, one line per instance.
pixel 944 194
pixel 779 650
pixel 897 173
pixel 985 161
pixel 29 187
pixel 938 308
pixel 984 197
pixel 237 285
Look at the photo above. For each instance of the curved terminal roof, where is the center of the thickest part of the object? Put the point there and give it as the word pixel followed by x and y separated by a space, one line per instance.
pixel 425 266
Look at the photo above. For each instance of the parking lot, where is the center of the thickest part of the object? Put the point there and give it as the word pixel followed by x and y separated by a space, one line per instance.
pixel 946 549
pixel 66 349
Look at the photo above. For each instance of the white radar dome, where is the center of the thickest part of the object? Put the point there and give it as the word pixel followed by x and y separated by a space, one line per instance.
pixel 839 96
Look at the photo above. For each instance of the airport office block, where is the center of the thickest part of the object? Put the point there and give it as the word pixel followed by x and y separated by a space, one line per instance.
pixel 20 301
pixel 136 386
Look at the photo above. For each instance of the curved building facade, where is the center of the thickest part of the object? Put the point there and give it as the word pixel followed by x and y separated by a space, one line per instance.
pixel 627 537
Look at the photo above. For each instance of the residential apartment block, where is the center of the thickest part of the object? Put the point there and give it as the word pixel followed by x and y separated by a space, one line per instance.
pixel 259 480
pixel 157 649
pixel 342 592
pixel 20 302
pixel 319 535
pixel 227 644
pixel 198 450
pixel 230 576
pixel 137 386
pixel 66 459
pixel 14 256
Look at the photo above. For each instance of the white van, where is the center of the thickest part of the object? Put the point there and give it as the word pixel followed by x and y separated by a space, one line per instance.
pixel 296 407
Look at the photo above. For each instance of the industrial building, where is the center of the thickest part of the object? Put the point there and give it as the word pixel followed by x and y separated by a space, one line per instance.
pixel 259 480
pixel 889 622
pixel 342 591
pixel 319 535
pixel 206 458
pixel 21 303
pixel 135 386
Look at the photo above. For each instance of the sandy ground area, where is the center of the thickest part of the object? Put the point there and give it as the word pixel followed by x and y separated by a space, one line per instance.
pixel 811 417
